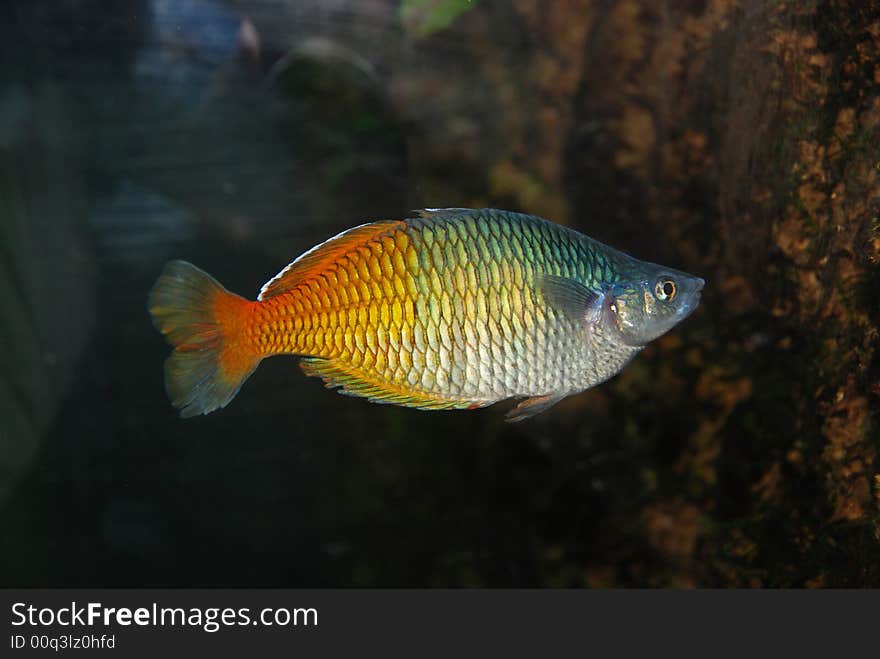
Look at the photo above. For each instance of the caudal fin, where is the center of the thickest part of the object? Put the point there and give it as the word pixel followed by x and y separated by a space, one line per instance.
pixel 205 323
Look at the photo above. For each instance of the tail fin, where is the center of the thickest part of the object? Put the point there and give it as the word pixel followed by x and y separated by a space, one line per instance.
pixel 205 324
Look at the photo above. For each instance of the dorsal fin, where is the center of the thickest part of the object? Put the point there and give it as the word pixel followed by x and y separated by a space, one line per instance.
pixel 440 212
pixel 323 254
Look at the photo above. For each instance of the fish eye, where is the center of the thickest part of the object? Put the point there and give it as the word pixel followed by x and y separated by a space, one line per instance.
pixel 664 289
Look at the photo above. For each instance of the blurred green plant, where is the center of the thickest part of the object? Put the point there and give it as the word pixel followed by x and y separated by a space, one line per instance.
pixel 425 17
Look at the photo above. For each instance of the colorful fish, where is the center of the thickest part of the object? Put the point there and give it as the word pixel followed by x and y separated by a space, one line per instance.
pixel 456 308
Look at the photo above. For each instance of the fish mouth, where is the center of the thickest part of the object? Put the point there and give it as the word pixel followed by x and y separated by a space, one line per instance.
pixel 693 301
pixel 698 291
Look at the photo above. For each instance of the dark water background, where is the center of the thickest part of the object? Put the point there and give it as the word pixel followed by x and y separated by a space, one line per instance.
pixel 736 141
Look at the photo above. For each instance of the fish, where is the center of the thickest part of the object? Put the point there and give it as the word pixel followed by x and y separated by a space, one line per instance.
pixel 453 308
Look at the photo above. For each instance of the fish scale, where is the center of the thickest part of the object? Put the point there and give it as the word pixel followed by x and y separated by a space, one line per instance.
pixel 489 346
pixel 454 308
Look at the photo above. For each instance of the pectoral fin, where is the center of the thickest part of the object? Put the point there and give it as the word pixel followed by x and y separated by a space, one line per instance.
pixel 570 297
pixel 532 406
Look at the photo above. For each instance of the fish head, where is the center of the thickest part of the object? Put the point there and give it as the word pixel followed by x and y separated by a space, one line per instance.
pixel 651 301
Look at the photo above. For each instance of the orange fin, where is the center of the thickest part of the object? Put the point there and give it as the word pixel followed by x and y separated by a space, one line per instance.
pixel 323 255
pixel 535 405
pixel 355 382
pixel 204 322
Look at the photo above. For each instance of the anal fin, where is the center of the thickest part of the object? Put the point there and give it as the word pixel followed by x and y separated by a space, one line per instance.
pixel 353 381
pixel 535 405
